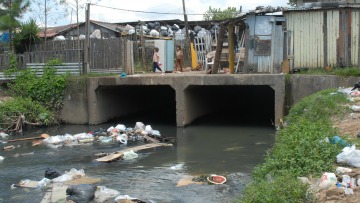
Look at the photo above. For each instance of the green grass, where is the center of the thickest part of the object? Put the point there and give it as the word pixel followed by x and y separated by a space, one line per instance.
pixel 345 72
pixel 102 74
pixel 299 150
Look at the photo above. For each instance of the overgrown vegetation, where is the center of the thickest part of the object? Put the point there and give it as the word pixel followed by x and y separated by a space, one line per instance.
pixel 346 72
pixel 32 111
pixel 299 150
pixel 36 100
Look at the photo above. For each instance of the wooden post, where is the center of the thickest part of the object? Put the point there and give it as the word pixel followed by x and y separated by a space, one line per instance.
pixel 142 41
pixel 187 40
pixel 87 40
pixel 219 45
pixel 231 48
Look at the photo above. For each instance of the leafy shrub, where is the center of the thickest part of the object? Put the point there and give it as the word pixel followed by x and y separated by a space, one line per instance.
pixel 47 89
pixel 33 111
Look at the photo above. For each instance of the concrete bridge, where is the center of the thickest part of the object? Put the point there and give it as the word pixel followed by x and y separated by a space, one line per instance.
pixel 182 97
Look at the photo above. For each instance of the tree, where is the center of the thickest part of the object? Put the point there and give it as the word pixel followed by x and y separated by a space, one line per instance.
pixel 27 37
pixel 11 11
pixel 48 11
pixel 218 14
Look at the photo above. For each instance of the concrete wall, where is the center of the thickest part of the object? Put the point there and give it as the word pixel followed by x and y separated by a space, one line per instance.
pixel 75 109
pixel 111 97
pixel 104 103
pixel 305 85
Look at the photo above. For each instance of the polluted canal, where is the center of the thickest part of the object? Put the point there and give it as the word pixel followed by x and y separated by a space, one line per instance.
pixel 162 174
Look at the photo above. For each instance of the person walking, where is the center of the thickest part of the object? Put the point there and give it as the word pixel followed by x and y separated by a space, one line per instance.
pixel 156 61
pixel 179 56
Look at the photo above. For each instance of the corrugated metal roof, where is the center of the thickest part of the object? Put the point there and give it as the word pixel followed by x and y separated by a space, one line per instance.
pixel 355 6
pixel 265 10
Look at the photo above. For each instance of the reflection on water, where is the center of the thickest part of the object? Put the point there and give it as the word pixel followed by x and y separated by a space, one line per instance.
pixel 198 150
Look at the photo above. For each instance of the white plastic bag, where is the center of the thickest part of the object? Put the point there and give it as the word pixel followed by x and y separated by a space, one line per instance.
pixel 103 193
pixel 110 129
pixel 327 180
pixel 139 126
pixel 350 156
pixel 148 128
pixel 120 127
pixel 52 140
pixel 123 138
pixel 355 108
pixel 130 155
pixel 344 90
pixel 341 170
pixel 124 197
pixel 156 133
pixel 69 175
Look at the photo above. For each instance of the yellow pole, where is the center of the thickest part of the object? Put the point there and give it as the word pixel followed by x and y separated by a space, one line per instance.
pixel 231 48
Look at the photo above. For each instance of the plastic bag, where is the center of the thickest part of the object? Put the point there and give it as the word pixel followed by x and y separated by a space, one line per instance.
pixel 341 170
pixel 103 193
pixel 42 183
pixel 81 193
pixel 120 127
pixel 123 138
pixel 124 197
pixel 52 140
pixel 130 155
pixel 62 178
pixel 105 139
pixel 355 108
pixel 355 93
pixel 72 174
pixel 344 90
pixel 350 156
pixel 148 128
pixel 110 129
pixel 51 173
pixel 156 133
pixel 139 126
pixel 327 180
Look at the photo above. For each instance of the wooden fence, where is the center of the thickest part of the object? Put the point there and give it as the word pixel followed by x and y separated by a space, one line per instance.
pixel 107 54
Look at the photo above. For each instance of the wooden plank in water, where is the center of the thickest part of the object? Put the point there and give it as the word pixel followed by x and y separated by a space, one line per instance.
pixel 120 153
pixel 28 184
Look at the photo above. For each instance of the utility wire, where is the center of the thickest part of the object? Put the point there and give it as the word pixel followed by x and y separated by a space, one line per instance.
pixel 136 11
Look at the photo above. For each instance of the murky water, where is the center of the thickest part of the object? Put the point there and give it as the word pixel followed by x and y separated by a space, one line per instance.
pixel 228 150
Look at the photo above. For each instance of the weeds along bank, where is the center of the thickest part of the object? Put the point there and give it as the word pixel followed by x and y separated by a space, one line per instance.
pixel 33 101
pixel 299 150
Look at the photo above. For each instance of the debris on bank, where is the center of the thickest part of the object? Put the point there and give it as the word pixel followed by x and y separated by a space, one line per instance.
pixel 74 186
pixel 342 185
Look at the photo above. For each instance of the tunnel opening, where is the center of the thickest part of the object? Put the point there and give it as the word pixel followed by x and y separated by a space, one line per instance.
pixel 148 104
pixel 230 105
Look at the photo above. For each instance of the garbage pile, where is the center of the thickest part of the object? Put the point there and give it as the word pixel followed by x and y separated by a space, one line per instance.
pixel 120 134
pixel 341 186
pixel 156 30
pixel 76 191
